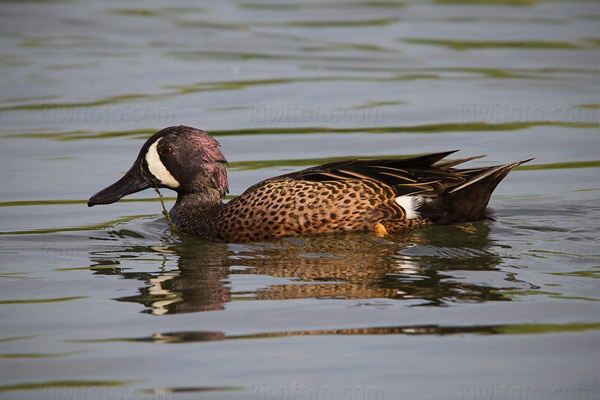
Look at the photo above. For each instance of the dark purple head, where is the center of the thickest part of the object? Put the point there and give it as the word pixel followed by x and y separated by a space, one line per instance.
pixel 181 158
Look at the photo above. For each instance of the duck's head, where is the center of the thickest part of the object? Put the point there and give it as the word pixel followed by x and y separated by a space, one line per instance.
pixel 181 158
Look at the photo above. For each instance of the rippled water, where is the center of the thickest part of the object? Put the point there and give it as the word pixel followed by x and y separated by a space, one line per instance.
pixel 106 303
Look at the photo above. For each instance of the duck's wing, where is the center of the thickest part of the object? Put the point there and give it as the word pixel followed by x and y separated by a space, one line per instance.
pixel 421 175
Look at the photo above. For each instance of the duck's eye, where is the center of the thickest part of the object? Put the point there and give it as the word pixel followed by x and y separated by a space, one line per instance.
pixel 166 150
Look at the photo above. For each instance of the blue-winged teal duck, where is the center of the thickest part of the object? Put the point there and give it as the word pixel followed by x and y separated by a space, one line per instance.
pixel 381 196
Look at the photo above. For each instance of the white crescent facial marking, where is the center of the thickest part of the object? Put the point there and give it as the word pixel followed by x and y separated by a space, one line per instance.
pixel 410 205
pixel 158 169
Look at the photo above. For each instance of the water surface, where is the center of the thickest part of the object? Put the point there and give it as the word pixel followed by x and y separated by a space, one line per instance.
pixel 107 303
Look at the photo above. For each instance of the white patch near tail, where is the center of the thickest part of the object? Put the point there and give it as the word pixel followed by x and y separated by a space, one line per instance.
pixel 410 205
pixel 158 169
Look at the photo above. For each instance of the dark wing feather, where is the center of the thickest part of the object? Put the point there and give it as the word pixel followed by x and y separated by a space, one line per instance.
pixel 407 176
pixel 467 201
pixel 452 163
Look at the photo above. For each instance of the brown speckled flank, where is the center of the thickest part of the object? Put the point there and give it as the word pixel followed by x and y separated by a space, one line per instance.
pixel 352 195
pixel 286 207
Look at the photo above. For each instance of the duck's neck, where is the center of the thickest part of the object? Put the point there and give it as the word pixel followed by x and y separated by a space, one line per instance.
pixel 193 212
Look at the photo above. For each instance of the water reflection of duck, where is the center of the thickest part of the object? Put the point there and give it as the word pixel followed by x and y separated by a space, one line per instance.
pixel 422 266
pixel 386 195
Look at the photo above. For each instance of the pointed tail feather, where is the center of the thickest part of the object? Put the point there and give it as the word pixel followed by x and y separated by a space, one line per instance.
pixel 444 165
pixel 467 201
